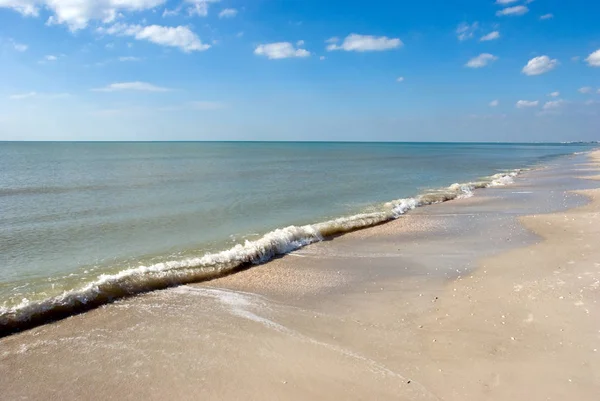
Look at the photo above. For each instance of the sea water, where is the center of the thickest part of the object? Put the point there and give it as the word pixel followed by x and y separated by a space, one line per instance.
pixel 82 224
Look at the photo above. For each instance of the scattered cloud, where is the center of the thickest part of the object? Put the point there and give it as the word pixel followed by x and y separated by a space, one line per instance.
pixel 539 65
pixel 465 31
pixel 400 79
pixel 50 58
pixel 585 90
pixel 77 14
pixel 23 95
pixel 129 58
pixel 521 104
pixel 228 13
pixel 553 104
pixel 481 61
pixel 575 59
pixel 554 94
pixel 300 43
pixel 181 36
pixel 30 95
pixel 546 16
pixel 364 43
pixel 280 50
pixel 494 103
pixel 131 86
pixel 512 11
pixel 20 47
pixel 505 2
pixel 322 58
pixel 199 7
pixel 170 13
pixel 593 59
pixel 27 8
pixel 490 36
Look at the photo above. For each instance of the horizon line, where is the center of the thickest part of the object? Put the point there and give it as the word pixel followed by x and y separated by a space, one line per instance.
pixel 299 141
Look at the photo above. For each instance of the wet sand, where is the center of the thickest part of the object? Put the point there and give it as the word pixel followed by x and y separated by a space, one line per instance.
pixel 487 298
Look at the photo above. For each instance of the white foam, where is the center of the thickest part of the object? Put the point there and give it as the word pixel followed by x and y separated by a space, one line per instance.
pixel 278 242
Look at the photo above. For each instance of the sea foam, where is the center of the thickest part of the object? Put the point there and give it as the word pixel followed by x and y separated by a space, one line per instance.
pixel 109 287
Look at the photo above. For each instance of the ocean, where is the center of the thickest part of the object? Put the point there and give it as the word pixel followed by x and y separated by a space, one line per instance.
pixel 82 224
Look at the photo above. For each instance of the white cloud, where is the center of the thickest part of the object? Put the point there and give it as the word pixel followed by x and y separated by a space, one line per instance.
pixel 300 43
pixel 129 58
pixel 50 58
pixel 131 86
pixel 181 36
pixel 228 13
pixel 585 90
pixel 465 31
pixel 30 95
pixel 23 95
pixel 20 47
pixel 516 10
pixel 280 50
pixel 322 58
pixel 481 61
pixel 554 104
pixel 593 59
pixel 494 103
pixel 504 2
pixel 76 14
pixel 546 16
pixel 335 39
pixel 575 59
pixel 400 79
pixel 554 94
pixel 539 65
pixel 28 8
pixel 363 43
pixel 170 13
pixel 490 36
pixel 521 104
pixel 199 7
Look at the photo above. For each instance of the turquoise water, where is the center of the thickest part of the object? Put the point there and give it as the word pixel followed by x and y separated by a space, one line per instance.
pixel 77 217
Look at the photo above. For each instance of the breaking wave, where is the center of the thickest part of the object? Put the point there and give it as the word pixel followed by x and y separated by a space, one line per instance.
pixel 109 287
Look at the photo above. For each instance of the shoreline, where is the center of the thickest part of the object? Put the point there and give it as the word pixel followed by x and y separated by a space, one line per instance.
pixel 108 288
pixel 360 317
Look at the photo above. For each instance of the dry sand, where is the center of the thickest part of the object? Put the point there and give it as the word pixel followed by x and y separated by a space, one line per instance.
pixel 338 321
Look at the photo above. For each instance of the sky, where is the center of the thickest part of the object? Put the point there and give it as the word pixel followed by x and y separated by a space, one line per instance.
pixel 337 70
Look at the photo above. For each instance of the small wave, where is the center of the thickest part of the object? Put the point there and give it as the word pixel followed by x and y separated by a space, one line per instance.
pixel 109 287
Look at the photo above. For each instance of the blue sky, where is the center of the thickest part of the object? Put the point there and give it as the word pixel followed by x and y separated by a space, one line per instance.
pixel 470 70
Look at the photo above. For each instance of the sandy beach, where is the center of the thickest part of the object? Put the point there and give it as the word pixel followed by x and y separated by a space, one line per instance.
pixel 486 298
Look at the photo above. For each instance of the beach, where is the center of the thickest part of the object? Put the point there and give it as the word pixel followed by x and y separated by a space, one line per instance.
pixel 492 297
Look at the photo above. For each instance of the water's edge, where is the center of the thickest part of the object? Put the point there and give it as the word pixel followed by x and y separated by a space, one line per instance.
pixel 109 288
